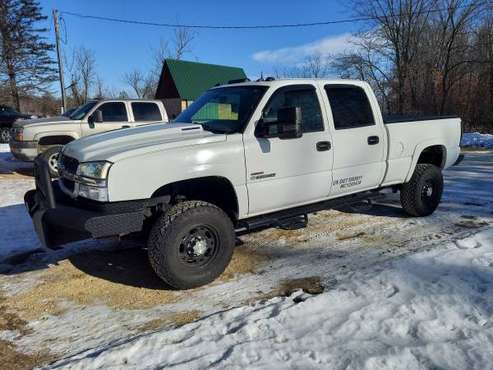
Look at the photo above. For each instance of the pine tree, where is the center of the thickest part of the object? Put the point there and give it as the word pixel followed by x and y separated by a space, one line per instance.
pixel 25 60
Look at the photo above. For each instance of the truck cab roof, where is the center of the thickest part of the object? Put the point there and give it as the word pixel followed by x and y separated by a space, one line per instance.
pixel 296 81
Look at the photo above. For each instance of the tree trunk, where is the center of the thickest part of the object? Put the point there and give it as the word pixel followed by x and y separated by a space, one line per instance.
pixel 14 91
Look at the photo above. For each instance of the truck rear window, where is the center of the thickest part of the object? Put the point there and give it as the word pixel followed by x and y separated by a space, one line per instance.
pixel 146 112
pixel 350 107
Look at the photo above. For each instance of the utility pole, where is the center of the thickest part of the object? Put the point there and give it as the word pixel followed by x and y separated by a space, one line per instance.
pixel 60 62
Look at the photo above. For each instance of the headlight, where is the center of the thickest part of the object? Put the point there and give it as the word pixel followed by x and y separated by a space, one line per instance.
pixel 92 180
pixel 94 170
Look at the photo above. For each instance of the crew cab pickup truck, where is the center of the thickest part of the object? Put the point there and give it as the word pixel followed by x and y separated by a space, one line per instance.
pixel 47 136
pixel 243 156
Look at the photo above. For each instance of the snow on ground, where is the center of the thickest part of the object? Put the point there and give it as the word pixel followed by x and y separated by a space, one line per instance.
pixel 427 310
pixel 15 228
pixel 477 140
pixel 399 291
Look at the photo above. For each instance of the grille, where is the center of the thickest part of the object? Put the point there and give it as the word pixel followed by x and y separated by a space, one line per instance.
pixel 68 164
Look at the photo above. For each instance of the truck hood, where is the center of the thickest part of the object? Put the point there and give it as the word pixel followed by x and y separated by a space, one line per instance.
pixel 39 122
pixel 119 144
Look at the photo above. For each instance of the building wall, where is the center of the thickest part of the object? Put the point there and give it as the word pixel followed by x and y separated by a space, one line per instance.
pixel 173 107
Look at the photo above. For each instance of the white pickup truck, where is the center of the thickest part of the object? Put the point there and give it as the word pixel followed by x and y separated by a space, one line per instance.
pixel 46 136
pixel 241 157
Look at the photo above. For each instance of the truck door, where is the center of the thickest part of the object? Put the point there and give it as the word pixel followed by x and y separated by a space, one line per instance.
pixel 282 173
pixel 358 142
pixel 114 117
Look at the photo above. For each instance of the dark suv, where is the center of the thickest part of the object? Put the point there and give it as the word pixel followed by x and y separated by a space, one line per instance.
pixel 8 116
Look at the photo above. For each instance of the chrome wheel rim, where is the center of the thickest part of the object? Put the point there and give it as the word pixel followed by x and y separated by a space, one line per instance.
pixel 4 135
pixel 53 162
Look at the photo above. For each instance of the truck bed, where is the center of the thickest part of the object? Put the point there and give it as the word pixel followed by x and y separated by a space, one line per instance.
pixel 407 139
pixel 394 118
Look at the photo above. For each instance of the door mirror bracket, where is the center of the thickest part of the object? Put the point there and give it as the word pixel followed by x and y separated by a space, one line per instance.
pixel 288 125
pixel 96 117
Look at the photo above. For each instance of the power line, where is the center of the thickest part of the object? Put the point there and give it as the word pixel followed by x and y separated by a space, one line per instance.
pixel 246 27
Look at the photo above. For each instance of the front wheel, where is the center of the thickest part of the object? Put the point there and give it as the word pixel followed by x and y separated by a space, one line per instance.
pixel 50 155
pixel 4 135
pixel 191 244
pixel 422 194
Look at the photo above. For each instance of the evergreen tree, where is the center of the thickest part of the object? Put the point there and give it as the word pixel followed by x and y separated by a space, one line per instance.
pixel 25 61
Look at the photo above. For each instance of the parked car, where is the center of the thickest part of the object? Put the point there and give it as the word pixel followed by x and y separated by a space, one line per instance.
pixel 242 157
pixel 47 136
pixel 8 116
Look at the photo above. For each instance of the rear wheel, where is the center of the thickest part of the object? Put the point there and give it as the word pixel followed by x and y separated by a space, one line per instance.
pixel 4 135
pixel 50 155
pixel 191 244
pixel 422 194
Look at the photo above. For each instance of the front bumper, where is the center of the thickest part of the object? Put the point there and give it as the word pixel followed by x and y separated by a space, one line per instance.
pixel 59 219
pixel 25 151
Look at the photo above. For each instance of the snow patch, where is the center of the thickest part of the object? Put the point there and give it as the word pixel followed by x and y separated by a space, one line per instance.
pixel 429 310
pixel 477 140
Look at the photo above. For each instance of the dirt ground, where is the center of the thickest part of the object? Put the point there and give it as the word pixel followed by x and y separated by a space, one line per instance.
pixel 56 304
pixel 120 279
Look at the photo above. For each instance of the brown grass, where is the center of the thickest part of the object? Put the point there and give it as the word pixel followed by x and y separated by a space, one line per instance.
pixel 11 321
pixel 470 224
pixel 12 359
pixel 177 319
pixel 310 285
pixel 245 260
pixel 119 279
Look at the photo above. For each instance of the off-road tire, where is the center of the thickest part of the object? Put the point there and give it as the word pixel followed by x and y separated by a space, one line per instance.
pixel 416 198
pixel 4 135
pixel 166 240
pixel 49 155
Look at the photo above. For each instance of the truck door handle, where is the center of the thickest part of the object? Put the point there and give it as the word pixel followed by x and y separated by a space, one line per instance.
pixel 126 126
pixel 322 146
pixel 373 140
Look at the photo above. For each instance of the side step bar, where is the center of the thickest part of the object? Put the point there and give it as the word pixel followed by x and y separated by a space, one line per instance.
pixel 273 219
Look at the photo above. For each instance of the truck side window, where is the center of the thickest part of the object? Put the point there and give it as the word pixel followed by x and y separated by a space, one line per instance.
pixel 146 112
pixel 350 107
pixel 114 112
pixel 303 97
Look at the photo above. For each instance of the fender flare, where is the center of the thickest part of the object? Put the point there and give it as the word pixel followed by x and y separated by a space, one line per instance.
pixel 43 135
pixel 419 149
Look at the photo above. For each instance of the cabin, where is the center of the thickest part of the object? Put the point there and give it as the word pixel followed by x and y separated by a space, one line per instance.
pixel 181 82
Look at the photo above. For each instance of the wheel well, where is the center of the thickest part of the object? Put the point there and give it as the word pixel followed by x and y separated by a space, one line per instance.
pixel 433 155
pixel 213 189
pixel 54 140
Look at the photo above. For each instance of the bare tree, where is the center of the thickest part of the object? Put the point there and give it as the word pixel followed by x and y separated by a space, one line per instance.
pixel 100 89
pixel 142 85
pixel 313 66
pixel 82 74
pixel 428 56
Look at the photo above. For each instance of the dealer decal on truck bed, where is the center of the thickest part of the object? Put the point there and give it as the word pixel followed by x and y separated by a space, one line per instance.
pixel 348 182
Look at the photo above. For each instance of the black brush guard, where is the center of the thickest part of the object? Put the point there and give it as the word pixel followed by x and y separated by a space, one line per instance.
pixel 59 219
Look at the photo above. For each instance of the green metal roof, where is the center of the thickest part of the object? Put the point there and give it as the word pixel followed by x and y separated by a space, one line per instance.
pixel 192 78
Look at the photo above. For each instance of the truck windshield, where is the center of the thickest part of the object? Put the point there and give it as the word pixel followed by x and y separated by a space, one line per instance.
pixel 224 109
pixel 81 111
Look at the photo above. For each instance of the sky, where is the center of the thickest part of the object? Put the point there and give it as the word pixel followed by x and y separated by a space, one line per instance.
pixel 120 48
